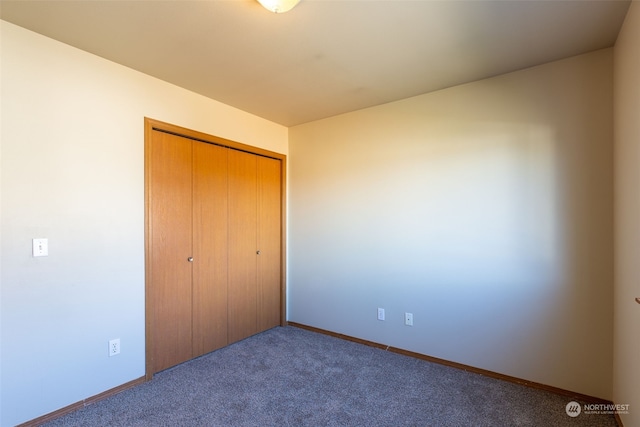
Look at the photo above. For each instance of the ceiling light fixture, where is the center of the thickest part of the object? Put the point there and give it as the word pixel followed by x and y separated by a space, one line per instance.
pixel 279 6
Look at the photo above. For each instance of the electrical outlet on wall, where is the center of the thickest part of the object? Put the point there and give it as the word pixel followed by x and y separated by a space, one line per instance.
pixel 408 319
pixel 114 347
pixel 380 313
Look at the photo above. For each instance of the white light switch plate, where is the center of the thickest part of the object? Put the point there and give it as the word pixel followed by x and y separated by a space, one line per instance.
pixel 40 247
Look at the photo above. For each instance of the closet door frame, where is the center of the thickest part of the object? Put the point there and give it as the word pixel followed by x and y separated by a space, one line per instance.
pixel 151 125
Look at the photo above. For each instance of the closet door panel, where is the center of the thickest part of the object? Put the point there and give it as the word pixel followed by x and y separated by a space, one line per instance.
pixel 242 297
pixel 210 242
pixel 170 246
pixel 269 238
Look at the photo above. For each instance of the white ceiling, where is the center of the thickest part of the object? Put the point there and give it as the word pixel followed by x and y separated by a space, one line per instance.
pixel 325 57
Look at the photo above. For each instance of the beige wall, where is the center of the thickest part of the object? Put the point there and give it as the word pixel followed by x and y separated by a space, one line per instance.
pixel 626 380
pixel 72 145
pixel 484 209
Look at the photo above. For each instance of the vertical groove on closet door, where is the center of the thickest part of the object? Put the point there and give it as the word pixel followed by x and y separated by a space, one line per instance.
pixel 242 297
pixel 170 246
pixel 269 238
pixel 210 210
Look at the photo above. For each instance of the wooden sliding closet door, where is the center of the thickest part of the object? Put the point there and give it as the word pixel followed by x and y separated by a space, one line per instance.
pixel 210 241
pixel 269 238
pixel 170 246
pixel 242 245
pixel 214 243
pixel 255 233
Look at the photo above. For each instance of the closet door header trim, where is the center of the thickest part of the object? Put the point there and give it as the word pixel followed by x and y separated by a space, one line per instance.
pixel 155 125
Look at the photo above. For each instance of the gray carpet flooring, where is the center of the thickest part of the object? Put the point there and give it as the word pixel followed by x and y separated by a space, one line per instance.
pixel 289 376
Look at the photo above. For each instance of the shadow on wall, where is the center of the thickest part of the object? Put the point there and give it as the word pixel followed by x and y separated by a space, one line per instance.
pixel 462 210
pixel 464 228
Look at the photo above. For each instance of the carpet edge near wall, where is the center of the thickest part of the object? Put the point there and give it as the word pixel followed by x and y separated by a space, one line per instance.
pixel 496 375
